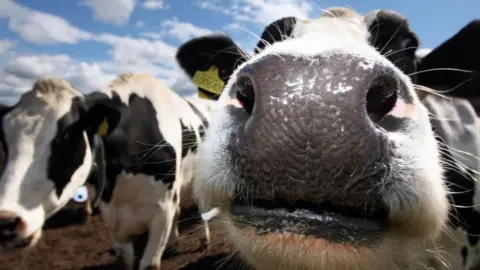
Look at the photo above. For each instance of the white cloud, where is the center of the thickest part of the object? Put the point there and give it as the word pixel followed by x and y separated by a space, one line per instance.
pixel 155 4
pixel 6 45
pixel 183 31
pixel 39 27
pixel 153 35
pixel 20 73
pixel 422 52
pixel 259 11
pixel 140 24
pixel 215 5
pixel 116 12
pixel 131 51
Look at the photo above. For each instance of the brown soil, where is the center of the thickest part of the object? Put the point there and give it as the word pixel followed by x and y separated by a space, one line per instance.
pixel 73 240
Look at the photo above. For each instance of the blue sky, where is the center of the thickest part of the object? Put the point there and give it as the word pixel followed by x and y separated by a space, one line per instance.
pixel 88 42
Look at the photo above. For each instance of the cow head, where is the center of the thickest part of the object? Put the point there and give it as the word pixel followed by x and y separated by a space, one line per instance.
pixel 322 155
pixel 46 140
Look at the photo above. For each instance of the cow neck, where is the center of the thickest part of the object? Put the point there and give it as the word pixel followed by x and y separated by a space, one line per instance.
pixel 97 175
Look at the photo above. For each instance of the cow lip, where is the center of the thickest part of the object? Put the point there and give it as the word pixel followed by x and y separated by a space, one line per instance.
pixel 333 223
pixel 18 243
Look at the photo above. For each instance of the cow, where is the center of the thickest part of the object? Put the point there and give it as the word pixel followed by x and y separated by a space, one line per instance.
pixel 320 154
pixel 133 141
pixel 453 69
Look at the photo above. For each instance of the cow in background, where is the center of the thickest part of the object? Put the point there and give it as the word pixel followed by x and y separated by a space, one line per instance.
pixel 143 138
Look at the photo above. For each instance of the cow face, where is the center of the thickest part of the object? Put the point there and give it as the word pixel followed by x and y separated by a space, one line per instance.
pixel 322 156
pixel 46 140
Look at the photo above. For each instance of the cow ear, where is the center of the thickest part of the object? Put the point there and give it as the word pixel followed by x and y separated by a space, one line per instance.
pixel 461 51
pixel 278 30
pixel 210 61
pixel 392 36
pixel 101 119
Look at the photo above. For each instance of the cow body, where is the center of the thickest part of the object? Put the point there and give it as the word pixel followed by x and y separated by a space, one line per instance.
pixel 134 143
pixel 263 112
pixel 149 161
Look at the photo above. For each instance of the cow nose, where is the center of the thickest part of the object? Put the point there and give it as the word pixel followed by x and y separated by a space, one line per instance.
pixel 313 122
pixel 10 224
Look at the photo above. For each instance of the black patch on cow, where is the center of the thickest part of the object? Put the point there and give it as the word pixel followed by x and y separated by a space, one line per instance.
pixel 3 144
pixel 201 53
pixel 278 30
pixel 200 115
pixel 189 140
pixel 136 144
pixel 461 51
pixel 68 149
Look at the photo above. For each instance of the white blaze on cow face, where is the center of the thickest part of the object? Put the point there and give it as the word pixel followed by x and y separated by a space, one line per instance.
pixel 412 192
pixel 28 194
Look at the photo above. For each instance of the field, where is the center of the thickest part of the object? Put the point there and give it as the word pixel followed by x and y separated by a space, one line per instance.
pixel 75 241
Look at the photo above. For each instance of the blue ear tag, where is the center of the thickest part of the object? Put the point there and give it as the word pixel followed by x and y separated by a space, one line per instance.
pixel 81 195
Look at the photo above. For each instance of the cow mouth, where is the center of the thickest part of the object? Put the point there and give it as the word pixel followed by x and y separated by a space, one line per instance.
pixel 17 243
pixel 335 224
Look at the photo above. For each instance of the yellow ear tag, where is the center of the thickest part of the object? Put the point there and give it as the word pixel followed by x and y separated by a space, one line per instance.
pixel 103 128
pixel 209 81
pixel 201 94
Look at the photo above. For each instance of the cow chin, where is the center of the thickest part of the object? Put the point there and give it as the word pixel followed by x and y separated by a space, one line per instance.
pixel 285 250
pixel 271 237
pixel 25 243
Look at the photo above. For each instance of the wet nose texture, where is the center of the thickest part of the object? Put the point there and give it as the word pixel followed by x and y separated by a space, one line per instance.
pixel 8 227
pixel 312 134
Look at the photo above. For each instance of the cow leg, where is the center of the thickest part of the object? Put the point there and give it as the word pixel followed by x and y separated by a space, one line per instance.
pixel 88 207
pixel 124 252
pixel 207 234
pixel 160 228
pixel 174 232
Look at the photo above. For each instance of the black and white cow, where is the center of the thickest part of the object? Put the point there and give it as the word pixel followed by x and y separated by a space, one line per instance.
pixel 453 68
pixel 323 156
pixel 143 159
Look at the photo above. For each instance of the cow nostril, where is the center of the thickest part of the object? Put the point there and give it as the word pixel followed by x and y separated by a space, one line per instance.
pixel 9 226
pixel 17 222
pixel 245 93
pixel 381 99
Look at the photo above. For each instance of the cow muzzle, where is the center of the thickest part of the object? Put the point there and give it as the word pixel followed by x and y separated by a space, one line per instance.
pixel 311 153
pixel 12 231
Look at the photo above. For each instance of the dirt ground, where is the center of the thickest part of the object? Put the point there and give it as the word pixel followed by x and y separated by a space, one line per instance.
pixel 73 241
